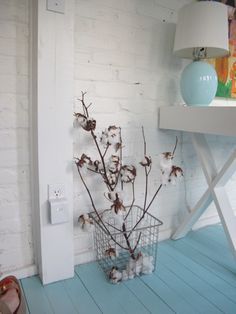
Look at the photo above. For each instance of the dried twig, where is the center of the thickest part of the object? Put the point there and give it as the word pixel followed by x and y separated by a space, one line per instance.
pixel 176 142
pixel 145 169
pixel 112 185
pixel 153 198
pixel 95 209
pixel 132 204
pixel 137 243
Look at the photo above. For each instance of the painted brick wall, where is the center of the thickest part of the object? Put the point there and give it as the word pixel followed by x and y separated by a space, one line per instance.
pixel 15 211
pixel 124 60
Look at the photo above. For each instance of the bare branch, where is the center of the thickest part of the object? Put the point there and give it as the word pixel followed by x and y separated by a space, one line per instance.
pixel 117 229
pixel 145 169
pixel 103 162
pixel 131 251
pixel 139 237
pixel 104 154
pixel 176 142
pixel 144 142
pixel 132 204
pixel 141 218
pixel 95 210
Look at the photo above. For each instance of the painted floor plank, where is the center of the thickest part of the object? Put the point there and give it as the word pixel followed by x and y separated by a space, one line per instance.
pixel 218 236
pixel 172 297
pixel 213 250
pixel 192 297
pixel 110 298
pixel 26 304
pixel 37 300
pixel 59 298
pixel 195 253
pixel 150 300
pixel 192 276
pixel 80 296
pixel 202 272
pixel 206 298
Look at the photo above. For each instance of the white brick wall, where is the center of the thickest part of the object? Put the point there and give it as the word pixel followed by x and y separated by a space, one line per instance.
pixel 124 60
pixel 16 251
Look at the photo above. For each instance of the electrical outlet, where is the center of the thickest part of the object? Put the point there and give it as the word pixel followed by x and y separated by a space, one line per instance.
pixel 56 6
pixel 56 191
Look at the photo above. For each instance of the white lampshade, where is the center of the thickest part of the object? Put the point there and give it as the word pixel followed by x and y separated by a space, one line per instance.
pixel 202 24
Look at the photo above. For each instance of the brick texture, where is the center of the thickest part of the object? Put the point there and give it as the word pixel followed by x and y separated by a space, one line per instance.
pixel 16 250
pixel 124 60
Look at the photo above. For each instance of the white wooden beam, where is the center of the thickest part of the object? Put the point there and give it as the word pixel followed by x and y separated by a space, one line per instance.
pixel 52 145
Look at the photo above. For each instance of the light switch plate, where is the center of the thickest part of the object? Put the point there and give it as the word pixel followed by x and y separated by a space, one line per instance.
pixel 59 211
pixel 56 6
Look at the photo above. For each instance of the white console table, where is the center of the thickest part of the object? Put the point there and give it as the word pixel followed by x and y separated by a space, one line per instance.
pixel 200 121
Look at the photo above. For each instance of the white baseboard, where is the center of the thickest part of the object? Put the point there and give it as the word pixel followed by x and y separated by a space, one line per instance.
pixel 206 222
pixel 89 256
pixel 212 220
pixel 84 257
pixel 28 271
pixel 165 234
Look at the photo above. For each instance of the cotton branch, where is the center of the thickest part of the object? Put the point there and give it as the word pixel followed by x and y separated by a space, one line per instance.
pixel 145 169
pixel 153 198
pixel 113 172
pixel 132 204
pixel 95 209
pixel 86 112
pixel 176 142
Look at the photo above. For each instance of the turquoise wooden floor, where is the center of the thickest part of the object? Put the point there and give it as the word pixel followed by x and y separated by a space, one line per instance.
pixel 196 274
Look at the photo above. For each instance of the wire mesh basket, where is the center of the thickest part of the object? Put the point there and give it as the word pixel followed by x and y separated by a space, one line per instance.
pixel 113 251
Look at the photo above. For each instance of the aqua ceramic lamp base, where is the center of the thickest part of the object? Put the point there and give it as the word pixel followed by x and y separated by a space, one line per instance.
pixel 198 84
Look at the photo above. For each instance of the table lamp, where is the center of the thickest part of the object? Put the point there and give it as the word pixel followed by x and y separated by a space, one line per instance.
pixel 201 32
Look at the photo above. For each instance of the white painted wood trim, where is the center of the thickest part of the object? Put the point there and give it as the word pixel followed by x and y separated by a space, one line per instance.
pixel 34 176
pixel 52 144
pixel 22 272
pixel 207 120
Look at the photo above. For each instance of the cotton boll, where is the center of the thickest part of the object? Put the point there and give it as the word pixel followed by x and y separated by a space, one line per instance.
pixel 111 252
pixel 111 178
pixel 146 161
pixel 85 222
pixel 148 265
pixel 165 177
pixel 115 275
pixel 165 160
pixel 131 274
pixel 138 268
pixel 131 264
pixel 125 275
pixel 111 136
pixel 138 264
pixel 113 195
pixel 128 173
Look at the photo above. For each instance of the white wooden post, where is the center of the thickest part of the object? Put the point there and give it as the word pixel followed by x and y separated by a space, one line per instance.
pixel 52 146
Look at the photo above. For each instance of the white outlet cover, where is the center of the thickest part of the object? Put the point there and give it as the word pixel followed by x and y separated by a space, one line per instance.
pixel 56 6
pixel 56 190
